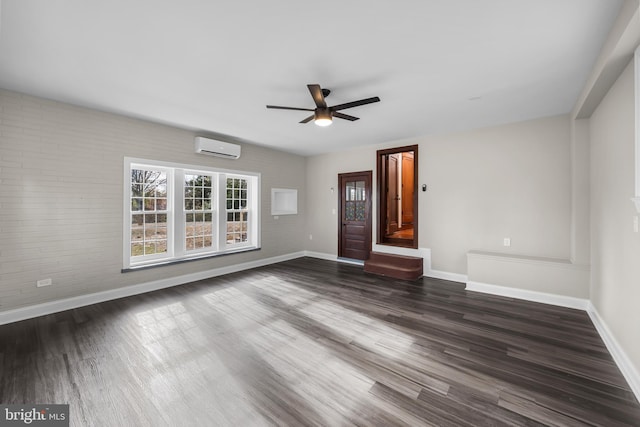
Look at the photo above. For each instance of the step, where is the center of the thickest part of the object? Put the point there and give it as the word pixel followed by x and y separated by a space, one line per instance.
pixel 396 266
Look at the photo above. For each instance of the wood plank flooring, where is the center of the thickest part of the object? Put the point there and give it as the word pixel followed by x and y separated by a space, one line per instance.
pixel 316 343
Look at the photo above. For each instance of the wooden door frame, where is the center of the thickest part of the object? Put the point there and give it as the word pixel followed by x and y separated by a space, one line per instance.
pixel 381 204
pixel 341 207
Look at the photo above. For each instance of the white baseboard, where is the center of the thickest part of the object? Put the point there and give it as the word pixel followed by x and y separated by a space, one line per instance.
pixel 627 368
pixel 545 298
pixel 331 257
pixel 321 255
pixel 51 307
pixel 445 275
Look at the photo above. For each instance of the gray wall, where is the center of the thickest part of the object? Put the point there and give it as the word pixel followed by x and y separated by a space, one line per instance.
pixel 506 181
pixel 61 202
pixel 615 248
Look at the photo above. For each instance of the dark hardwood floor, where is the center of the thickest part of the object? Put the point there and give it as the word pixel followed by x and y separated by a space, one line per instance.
pixel 311 342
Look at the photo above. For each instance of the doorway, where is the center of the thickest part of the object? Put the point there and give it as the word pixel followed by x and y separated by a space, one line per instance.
pixel 397 192
pixel 354 231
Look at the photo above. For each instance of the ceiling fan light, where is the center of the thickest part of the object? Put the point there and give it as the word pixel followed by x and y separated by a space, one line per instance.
pixel 322 118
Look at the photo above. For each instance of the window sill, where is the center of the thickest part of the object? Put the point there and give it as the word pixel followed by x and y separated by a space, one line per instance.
pixel 163 263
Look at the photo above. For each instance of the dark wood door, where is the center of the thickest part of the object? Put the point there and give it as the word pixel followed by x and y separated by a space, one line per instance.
pixel 392 193
pixel 354 232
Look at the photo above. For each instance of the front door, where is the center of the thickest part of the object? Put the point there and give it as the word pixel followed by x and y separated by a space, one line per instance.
pixel 354 233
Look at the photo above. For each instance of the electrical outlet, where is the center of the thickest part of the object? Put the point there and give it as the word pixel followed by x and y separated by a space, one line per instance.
pixel 44 282
pixel 506 241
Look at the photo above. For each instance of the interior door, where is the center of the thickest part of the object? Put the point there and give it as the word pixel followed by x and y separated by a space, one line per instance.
pixel 392 193
pixel 354 231
pixel 407 189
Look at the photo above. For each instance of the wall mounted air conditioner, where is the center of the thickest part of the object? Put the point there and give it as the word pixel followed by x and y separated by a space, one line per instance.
pixel 212 147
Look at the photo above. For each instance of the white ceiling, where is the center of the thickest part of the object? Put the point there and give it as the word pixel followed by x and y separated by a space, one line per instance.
pixel 437 65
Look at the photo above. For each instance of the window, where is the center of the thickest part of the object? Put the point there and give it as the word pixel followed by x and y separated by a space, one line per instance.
pixel 179 212
pixel 237 214
pixel 148 219
pixel 198 208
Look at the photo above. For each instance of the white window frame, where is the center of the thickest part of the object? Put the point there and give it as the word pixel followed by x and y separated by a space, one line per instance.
pixel 176 219
pixel 181 211
pixel 223 237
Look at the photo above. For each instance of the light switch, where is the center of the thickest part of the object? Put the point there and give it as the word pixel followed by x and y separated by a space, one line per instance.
pixel 507 241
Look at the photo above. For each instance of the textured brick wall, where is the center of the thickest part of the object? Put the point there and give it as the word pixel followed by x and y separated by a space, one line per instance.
pixel 61 201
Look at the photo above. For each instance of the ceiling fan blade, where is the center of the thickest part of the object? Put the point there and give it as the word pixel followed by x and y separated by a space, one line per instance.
pixel 318 97
pixel 355 103
pixel 290 108
pixel 308 119
pixel 345 116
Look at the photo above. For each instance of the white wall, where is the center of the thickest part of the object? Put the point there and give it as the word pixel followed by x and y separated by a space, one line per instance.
pixel 61 198
pixel 615 248
pixel 505 181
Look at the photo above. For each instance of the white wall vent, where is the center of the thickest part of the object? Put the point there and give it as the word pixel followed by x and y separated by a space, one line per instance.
pixel 212 147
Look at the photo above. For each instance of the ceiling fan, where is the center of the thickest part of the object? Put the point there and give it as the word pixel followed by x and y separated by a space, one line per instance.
pixel 323 114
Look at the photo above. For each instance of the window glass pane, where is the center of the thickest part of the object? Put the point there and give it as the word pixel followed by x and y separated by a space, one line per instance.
pixel 360 190
pixel 161 190
pixel 137 249
pixel 350 191
pixel 350 211
pixel 136 204
pixel 136 190
pixel 198 242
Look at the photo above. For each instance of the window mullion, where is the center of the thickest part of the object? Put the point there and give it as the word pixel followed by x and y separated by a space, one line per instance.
pixel 222 211
pixel 179 214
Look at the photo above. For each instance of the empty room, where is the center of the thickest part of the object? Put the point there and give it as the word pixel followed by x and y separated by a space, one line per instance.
pixel 416 213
